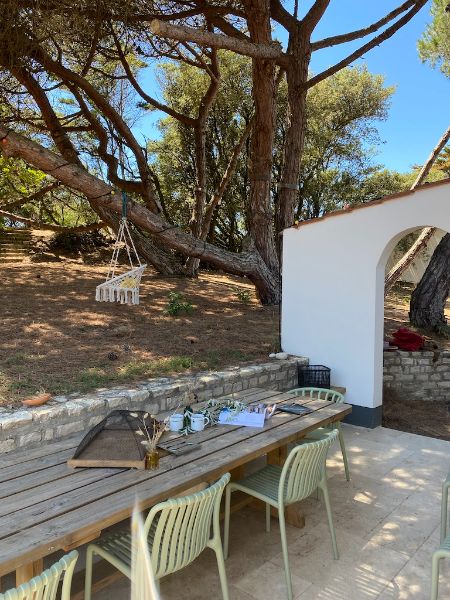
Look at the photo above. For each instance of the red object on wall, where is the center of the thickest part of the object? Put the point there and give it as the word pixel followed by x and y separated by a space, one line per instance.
pixel 405 339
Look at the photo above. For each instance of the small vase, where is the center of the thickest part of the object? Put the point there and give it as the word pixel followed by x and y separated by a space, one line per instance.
pixel 152 460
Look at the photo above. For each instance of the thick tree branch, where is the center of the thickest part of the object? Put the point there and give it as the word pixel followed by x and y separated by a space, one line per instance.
pixel 69 76
pixel 99 193
pixel 282 16
pixel 376 41
pixel 32 198
pixel 36 225
pixel 313 16
pixel 56 130
pixel 225 181
pixel 432 158
pixel 216 40
pixel 152 101
pixel 359 33
pixel 109 159
pixel 427 233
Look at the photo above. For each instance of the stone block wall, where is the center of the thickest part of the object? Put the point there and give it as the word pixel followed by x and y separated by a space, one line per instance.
pixel 76 413
pixel 420 375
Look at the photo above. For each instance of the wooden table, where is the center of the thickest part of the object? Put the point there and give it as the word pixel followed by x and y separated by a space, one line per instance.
pixel 46 506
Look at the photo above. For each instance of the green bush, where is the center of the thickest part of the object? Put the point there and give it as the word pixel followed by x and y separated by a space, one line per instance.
pixel 243 295
pixel 177 304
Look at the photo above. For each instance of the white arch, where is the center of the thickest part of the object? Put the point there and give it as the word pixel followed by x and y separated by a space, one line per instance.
pixel 333 287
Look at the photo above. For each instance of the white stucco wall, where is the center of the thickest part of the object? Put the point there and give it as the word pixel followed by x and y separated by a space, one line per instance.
pixel 333 285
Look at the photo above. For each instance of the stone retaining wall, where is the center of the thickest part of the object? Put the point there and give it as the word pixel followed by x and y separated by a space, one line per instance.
pixel 67 415
pixel 420 375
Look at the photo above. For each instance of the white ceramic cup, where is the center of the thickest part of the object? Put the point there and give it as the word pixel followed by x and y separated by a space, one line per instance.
pixel 176 422
pixel 198 421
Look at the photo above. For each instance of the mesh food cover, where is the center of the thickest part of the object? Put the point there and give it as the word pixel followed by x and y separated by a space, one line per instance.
pixel 117 437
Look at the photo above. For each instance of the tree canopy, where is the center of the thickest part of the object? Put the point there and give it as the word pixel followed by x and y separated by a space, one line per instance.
pixel 72 79
pixel 434 46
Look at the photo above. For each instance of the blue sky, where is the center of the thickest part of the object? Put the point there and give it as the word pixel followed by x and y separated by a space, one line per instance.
pixel 419 111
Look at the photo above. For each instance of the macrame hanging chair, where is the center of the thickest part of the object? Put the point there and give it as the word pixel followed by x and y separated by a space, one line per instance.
pixel 122 288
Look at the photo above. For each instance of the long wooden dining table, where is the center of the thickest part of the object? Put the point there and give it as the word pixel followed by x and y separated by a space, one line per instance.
pixel 47 506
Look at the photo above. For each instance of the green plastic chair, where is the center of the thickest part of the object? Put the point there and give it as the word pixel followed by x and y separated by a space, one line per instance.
pixel 329 396
pixel 177 530
pixel 444 549
pixel 45 585
pixel 143 583
pixel 303 472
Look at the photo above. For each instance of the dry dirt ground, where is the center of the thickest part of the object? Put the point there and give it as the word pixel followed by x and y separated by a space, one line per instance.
pixel 55 337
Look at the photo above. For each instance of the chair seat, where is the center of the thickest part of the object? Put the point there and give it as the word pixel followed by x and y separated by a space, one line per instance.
pixel 263 484
pixel 318 434
pixel 118 543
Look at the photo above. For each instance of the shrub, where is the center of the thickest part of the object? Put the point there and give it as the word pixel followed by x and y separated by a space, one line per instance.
pixel 177 304
pixel 243 295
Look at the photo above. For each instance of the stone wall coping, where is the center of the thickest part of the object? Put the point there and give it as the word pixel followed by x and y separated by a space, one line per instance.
pixel 418 353
pixel 72 413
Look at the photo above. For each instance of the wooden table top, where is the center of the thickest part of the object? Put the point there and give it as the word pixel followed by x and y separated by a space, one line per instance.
pixel 46 506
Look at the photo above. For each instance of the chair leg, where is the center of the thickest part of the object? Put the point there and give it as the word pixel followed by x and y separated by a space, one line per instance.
pixel 226 524
pixel 222 572
pixel 444 515
pixel 435 575
pixel 88 573
pixel 268 509
pixel 344 451
pixel 287 570
pixel 324 487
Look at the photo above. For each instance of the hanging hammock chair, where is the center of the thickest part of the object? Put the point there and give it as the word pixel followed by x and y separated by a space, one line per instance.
pixel 122 288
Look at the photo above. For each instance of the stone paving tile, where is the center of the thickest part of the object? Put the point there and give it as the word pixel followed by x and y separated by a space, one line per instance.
pixel 387 526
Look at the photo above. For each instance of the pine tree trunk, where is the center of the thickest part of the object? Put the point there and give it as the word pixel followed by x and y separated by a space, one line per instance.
pixel 430 296
pixel 296 77
pixel 262 139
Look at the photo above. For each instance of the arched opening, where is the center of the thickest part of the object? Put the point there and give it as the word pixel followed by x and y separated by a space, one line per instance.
pixel 333 288
pixel 415 383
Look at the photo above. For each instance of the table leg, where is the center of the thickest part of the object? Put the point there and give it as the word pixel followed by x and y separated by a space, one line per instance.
pixel 293 512
pixel 27 572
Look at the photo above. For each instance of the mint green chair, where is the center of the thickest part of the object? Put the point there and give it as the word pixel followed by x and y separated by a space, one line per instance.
pixel 444 549
pixel 177 530
pixel 329 396
pixel 45 585
pixel 303 472
pixel 143 583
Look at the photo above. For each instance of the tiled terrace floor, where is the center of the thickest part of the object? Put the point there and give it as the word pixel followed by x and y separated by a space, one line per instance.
pixel 387 524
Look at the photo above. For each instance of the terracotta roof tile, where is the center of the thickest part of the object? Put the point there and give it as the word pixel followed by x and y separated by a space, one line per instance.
pixel 381 200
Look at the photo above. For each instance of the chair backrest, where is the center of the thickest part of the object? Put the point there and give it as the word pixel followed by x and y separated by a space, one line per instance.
pixel 143 584
pixel 182 527
pixel 319 393
pixel 303 469
pixel 45 585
